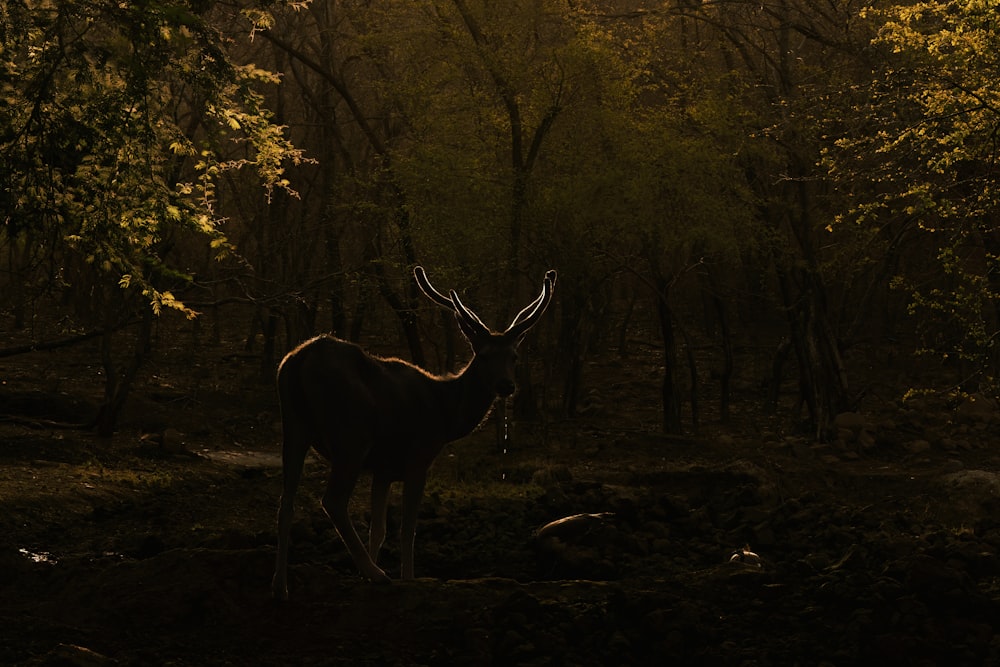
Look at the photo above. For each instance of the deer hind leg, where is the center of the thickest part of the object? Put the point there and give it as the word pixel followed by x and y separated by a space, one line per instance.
pixel 339 488
pixel 380 504
pixel 293 456
pixel 413 493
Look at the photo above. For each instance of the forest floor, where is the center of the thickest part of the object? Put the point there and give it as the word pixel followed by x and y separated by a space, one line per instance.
pixel 743 544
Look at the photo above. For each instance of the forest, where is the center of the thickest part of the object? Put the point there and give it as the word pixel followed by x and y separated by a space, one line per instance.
pixel 768 377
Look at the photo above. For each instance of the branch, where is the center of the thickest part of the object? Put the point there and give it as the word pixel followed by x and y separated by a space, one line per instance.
pixel 337 84
pixel 504 88
pixel 50 345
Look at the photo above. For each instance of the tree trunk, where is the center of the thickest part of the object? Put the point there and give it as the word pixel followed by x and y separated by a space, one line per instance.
pixel 777 371
pixel 334 264
pixel 717 321
pixel 569 354
pixel 268 358
pixel 407 317
pixel 668 389
pixel 726 375
pixel 693 376
pixel 822 376
pixel 524 149
pixel 525 401
pixel 623 347
pixel 117 387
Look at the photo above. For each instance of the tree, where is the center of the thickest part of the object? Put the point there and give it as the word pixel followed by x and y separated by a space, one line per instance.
pixel 467 95
pixel 772 64
pixel 358 176
pixel 118 121
pixel 638 182
pixel 927 164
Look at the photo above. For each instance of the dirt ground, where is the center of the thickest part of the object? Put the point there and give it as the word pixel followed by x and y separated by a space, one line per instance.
pixel 744 544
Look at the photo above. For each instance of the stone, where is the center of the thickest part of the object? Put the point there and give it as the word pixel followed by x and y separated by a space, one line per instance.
pixel 977 408
pixel 852 421
pixel 866 440
pixel 917 446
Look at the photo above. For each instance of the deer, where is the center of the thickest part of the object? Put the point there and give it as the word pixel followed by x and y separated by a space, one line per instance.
pixel 389 417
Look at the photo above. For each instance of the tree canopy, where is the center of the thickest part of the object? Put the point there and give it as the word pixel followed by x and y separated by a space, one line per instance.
pixel 118 121
pixel 817 171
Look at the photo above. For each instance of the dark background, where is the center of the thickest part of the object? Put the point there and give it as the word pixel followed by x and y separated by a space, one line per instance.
pixel 774 325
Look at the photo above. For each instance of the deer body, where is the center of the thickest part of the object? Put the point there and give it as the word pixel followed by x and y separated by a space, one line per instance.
pixel 386 416
pixel 411 414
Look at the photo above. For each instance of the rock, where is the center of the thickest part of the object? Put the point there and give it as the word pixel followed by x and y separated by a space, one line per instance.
pixel 550 476
pixel 173 441
pixel 981 481
pixel 977 408
pixel 953 465
pixel 69 655
pixel 764 535
pixel 170 441
pixel 851 421
pixel 592 403
pixel 931 578
pixel 953 444
pixel 866 440
pixel 803 451
pixel 572 527
pixel 917 446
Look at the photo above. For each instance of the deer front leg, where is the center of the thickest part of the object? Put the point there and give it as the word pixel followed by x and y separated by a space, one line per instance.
pixel 413 492
pixel 335 501
pixel 380 504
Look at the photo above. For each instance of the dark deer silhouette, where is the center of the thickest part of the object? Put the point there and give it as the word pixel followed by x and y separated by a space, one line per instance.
pixel 387 416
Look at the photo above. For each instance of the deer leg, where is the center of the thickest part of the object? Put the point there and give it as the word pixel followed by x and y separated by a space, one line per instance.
pixel 335 502
pixel 293 457
pixel 413 493
pixel 380 504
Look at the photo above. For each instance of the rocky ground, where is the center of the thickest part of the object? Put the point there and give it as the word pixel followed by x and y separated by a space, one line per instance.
pixel 746 544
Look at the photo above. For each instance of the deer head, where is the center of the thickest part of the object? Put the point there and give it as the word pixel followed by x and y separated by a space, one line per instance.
pixel 495 353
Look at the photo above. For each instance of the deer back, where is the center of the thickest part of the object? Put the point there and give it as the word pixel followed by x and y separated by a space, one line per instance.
pixel 341 393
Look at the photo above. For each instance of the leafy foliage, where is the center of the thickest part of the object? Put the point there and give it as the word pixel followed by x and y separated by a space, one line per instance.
pixel 118 120
pixel 930 161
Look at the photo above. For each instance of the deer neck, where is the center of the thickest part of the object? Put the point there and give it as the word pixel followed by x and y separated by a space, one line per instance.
pixel 471 399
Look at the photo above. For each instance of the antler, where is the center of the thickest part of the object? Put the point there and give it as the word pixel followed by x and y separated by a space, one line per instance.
pixel 428 289
pixel 520 324
pixel 452 303
pixel 467 314
pixel 550 278
pixel 530 314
